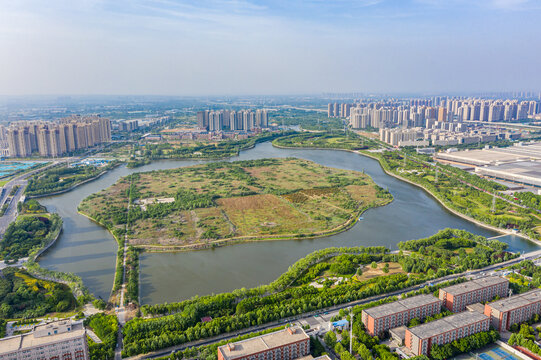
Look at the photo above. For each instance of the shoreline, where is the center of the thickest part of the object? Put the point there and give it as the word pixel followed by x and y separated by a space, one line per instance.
pixel 73 186
pixel 248 239
pixel 455 212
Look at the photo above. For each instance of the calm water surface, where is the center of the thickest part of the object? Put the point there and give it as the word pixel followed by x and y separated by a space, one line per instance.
pixel 89 251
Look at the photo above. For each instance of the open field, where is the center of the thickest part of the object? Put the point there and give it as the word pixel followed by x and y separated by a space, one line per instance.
pixel 243 200
pixel 370 273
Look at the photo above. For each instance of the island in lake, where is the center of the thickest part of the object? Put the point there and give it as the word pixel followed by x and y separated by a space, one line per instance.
pixel 225 202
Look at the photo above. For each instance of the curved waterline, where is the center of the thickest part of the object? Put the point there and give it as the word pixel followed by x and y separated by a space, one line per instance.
pixel 89 250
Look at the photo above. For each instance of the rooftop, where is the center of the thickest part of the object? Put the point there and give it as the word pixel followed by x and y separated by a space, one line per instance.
pixel 527 151
pixel 517 301
pixel 446 324
pixel 474 285
pixel 478 307
pixel 401 305
pixel 263 342
pixel 40 336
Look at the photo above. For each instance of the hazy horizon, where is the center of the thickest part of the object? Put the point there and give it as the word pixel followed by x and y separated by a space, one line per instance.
pixel 241 47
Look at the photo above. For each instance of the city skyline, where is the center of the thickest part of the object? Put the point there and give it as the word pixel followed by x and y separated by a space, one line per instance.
pixel 268 47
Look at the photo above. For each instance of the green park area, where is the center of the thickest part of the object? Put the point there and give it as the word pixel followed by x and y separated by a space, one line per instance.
pixel 465 193
pixel 33 229
pixel 326 140
pixel 199 149
pixel 294 292
pixel 62 178
pixel 25 296
pixel 226 201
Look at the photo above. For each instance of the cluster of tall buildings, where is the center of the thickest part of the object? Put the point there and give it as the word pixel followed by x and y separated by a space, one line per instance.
pixel 417 112
pixel 241 120
pixel 50 139
pixel 339 109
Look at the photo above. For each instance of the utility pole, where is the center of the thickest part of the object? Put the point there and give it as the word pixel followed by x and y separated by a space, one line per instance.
pixel 351 331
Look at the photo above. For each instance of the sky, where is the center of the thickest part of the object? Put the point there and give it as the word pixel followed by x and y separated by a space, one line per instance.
pixel 266 47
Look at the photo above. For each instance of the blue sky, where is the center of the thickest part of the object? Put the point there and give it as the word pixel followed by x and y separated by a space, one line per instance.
pixel 222 47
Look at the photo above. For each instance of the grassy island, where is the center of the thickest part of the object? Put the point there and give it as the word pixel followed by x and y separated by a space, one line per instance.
pixel 222 202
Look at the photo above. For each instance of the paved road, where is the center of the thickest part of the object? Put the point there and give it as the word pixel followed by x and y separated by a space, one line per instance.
pixel 334 309
pixel 11 212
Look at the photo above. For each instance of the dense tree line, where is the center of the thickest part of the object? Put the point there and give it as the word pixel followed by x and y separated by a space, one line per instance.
pixel 326 140
pixel 243 308
pixel 466 344
pixel 143 335
pixel 27 234
pixel 222 149
pixel 525 338
pixel 444 253
pixel 132 275
pixel 22 295
pixel 530 199
pixel 106 328
pixel 62 178
pixel 3 324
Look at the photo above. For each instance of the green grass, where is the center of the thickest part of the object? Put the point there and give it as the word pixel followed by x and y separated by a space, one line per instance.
pixel 244 200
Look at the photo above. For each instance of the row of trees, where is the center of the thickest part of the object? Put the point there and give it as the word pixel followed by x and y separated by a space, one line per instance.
pixel 243 308
pixel 222 149
pixel 144 335
pixel 466 344
pixel 28 234
pixel 106 328
pixel 132 275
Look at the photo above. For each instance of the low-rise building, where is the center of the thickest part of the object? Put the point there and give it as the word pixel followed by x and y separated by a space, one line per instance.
pixel 514 309
pixel 420 339
pixel 59 340
pixel 457 297
pixel 290 343
pixel 384 317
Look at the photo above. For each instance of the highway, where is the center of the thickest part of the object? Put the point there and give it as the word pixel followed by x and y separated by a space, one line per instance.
pixel 489 270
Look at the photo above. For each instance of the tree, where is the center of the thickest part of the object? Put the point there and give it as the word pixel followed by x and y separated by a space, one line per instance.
pixel 330 339
pixel 374 265
pixel 99 304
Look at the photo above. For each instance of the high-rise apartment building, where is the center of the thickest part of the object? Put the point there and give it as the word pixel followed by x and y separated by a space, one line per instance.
pixel 242 120
pixel 57 138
